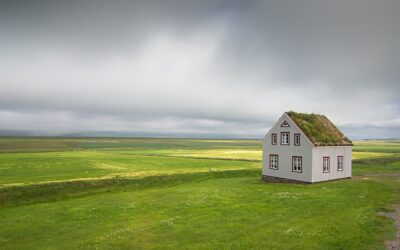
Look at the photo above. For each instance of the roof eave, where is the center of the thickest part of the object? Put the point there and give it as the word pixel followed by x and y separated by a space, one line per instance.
pixel 332 144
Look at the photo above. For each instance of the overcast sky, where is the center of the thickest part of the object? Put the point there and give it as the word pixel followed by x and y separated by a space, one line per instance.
pixel 198 68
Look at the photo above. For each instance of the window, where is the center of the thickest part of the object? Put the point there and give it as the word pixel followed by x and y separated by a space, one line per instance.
pixel 325 165
pixel 285 124
pixel 340 163
pixel 285 138
pixel 297 165
pixel 273 162
pixel 273 139
pixel 297 139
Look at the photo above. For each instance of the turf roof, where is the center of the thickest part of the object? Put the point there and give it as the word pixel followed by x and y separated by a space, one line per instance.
pixel 319 129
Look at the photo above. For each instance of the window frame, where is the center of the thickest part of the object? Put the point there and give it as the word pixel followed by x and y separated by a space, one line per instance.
pixel 301 164
pixel 288 138
pixel 328 163
pixel 274 136
pixel 285 124
pixel 341 161
pixel 277 161
pixel 294 139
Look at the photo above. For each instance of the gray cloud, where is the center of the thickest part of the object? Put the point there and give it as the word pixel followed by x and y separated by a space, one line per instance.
pixel 227 68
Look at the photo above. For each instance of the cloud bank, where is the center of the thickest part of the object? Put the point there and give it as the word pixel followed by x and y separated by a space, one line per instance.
pixel 202 68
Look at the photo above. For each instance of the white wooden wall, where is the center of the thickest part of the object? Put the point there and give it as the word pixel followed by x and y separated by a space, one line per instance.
pixel 332 152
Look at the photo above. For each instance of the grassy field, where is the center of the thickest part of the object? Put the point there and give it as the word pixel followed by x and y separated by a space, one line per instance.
pixel 65 193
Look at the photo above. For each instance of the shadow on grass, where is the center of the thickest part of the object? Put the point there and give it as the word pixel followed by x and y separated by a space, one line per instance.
pixel 52 191
pixel 375 166
pixel 380 160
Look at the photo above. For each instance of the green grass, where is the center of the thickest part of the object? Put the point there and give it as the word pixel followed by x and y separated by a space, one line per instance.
pixel 29 168
pixel 385 146
pixel 184 194
pixel 236 212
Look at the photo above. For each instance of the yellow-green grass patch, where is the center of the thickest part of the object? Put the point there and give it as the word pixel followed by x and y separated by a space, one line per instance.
pixel 363 155
pixel 222 154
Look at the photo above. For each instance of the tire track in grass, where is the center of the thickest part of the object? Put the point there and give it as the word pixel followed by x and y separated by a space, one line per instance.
pixel 395 215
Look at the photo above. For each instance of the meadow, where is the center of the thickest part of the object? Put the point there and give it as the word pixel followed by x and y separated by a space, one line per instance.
pixel 124 193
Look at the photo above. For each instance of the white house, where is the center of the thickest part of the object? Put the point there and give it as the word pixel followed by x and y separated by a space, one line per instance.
pixel 305 148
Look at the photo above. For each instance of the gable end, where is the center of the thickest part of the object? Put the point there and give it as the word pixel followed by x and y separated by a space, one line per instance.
pixel 277 128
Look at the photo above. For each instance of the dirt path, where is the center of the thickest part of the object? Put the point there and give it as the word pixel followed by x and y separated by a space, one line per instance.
pixel 394 244
pixel 363 176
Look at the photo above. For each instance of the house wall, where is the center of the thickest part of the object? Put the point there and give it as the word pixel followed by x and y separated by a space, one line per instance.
pixel 286 152
pixel 332 152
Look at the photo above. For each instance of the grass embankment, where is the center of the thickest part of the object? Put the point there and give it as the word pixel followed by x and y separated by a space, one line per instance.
pixel 31 168
pixel 51 191
pixel 186 206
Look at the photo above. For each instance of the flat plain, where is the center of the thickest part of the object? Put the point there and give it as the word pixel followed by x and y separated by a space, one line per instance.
pixel 125 193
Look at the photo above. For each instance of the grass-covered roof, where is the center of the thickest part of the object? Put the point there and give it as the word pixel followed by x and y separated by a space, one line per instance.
pixel 319 129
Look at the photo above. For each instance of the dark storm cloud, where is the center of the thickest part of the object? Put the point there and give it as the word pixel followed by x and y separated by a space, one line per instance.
pixel 199 67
